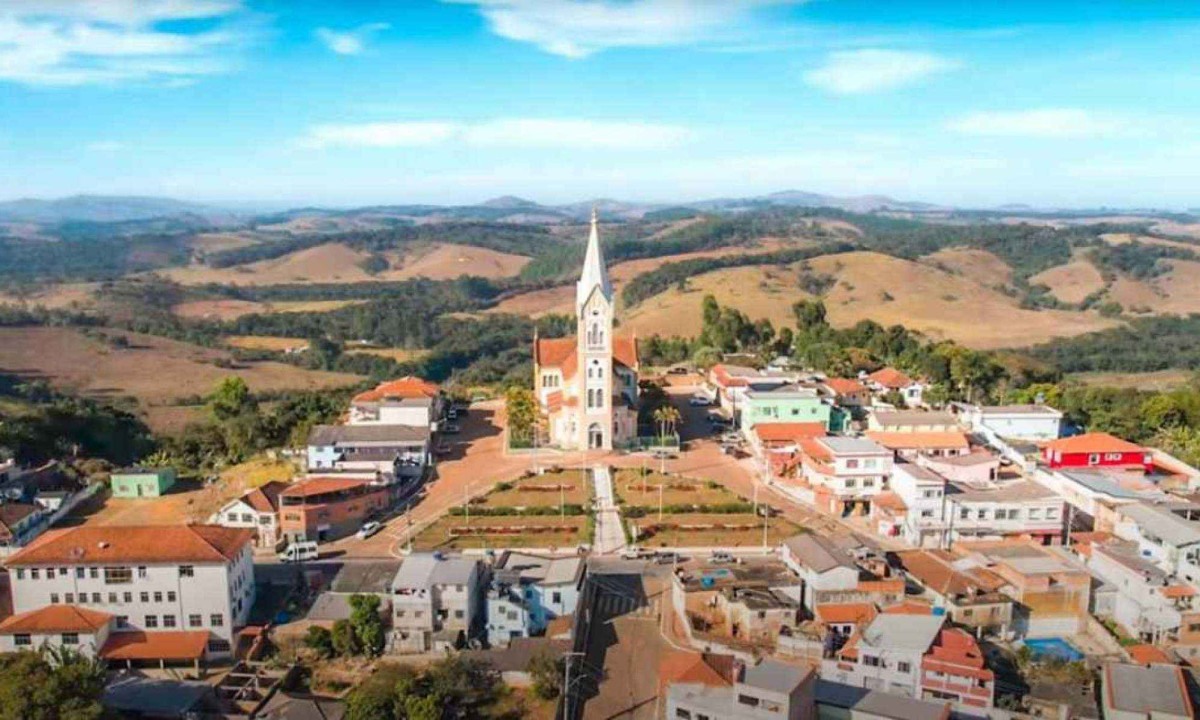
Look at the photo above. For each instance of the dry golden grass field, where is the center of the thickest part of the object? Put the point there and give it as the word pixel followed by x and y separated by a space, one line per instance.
pixel 1177 291
pixel 1156 381
pixel 871 286
pixel 155 371
pixel 1071 282
pixel 218 241
pixel 397 354
pixel 80 295
pixel 234 309
pixel 979 266
pixel 337 263
pixel 266 342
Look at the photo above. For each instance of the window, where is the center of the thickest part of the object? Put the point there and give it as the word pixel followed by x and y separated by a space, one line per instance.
pixel 868 482
pixel 1094 459
pixel 851 483
pixel 128 597
pixel 903 667
pixel 869 463
pixel 35 574
pixel 69 598
pixel 217 620
pixel 556 597
pixel 70 638
pixel 157 597
pixel 1035 514
pixel 112 598
pixel 62 572
pixel 458 614
pixel 151 621
pixel 968 612
pixel 233 517
pixel 168 621
pixel 217 645
pixel 141 571
pixel 852 463
pixel 79 572
pixel 747 700
pixel 95 598
pixel 171 596
pixel 187 571
pixel 684 714
pixel 870 661
pixel 247 517
pixel 981 514
pixel 964 514
pixel 53 598
pixel 1051 513
pixel 20 573
pixel 22 640
pixel 94 573
pixel 145 597
pixel 195 621
pixel 926 513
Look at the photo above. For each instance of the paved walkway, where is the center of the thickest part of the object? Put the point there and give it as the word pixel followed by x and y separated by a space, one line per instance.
pixel 609 536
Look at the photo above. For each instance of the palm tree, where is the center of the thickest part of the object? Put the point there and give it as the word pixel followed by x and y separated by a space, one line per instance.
pixel 667 417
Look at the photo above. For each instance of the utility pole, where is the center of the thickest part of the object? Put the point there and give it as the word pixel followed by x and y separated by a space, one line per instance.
pixel 567 683
pixel 765 513
pixel 660 501
pixel 408 517
pixel 467 503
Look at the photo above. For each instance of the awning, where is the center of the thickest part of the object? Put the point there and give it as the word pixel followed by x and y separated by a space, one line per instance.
pixel 169 645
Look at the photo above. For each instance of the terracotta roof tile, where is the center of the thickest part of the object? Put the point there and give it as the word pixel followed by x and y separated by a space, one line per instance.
pixel 920 440
pixel 265 498
pixel 99 544
pixel 1093 442
pixel 788 431
pixel 165 645
pixel 55 619
pixel 845 386
pixel 840 613
pixel 1148 655
pixel 891 378
pixel 697 668
pixel 553 352
pixel 408 386
pixel 909 607
pixel 321 485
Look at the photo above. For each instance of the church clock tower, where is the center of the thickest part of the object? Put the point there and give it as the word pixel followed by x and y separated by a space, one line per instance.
pixel 594 325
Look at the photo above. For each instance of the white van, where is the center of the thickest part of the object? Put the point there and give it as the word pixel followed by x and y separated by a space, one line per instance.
pixel 299 551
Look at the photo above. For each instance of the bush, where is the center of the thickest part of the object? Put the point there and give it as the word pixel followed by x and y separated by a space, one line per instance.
pixel 345 643
pixel 320 641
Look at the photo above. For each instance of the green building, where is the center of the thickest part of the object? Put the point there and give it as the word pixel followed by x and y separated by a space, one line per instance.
pixel 142 482
pixel 784 404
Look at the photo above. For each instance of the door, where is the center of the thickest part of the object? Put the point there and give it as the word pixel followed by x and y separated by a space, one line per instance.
pixel 595 436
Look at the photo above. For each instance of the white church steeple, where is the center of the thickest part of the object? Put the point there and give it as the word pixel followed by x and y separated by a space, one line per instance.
pixel 594 271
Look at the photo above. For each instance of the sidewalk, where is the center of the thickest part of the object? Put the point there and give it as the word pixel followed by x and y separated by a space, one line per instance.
pixel 610 537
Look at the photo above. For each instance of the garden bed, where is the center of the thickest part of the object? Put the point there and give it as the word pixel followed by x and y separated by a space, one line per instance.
pixel 540 531
pixel 710 530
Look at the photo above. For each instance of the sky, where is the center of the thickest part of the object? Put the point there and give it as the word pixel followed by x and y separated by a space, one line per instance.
pixel 1055 104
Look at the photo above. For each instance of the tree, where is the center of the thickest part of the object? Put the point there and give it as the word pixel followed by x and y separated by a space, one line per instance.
pixel 810 315
pixel 55 685
pixel 345 642
pixel 368 626
pixel 522 414
pixel 705 357
pixel 231 398
pixel 666 416
pixel 319 640
pixel 547 674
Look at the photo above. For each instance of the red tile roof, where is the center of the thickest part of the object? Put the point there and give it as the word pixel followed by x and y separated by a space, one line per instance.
pixel 788 431
pixel 1093 442
pixel 165 645
pixel 12 513
pixel 561 353
pixel 408 386
pixel 934 570
pixel 955 651
pixel 1148 655
pixel 920 440
pixel 841 613
pixel 553 352
pixel 321 485
pixel 909 607
pixel 888 500
pixel 55 619
pixel 890 378
pixel 697 668
pixel 99 544
pixel 265 498
pixel 845 386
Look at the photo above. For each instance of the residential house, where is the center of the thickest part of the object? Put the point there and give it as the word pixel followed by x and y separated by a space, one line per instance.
pixel 968 593
pixel 770 689
pixel 1004 508
pixel 845 472
pixel 912 444
pixel 1166 533
pixel 783 404
pixel 1150 604
pixel 257 510
pixel 53 626
pixel 730 383
pixel 20 523
pixel 139 482
pixel 528 591
pixel 1022 422
pixel 847 392
pixel 928 421
pixel 829 573
pixel 408 401
pixel 401 451
pixel 922 520
pixel 325 508
pixel 977 466
pixel 182 590
pixel 1052 591
pixel 1095 449
pixel 836 701
pixel 844 619
pixel 437 602
pixel 782 437
pixel 915 656
pixel 890 379
pixel 758 615
pixel 1145 692
pixel 1095 494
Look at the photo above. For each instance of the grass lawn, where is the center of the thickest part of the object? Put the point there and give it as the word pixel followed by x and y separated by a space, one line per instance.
pixel 634 490
pixel 701 530
pixel 541 491
pixel 543 531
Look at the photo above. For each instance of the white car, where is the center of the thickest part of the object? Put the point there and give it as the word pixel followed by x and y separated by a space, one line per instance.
pixel 699 400
pixel 368 529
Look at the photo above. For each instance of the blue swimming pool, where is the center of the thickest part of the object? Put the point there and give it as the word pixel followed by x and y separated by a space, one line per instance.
pixel 1054 648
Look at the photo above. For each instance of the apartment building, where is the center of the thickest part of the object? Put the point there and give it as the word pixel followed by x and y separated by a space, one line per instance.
pixel 783 403
pixel 921 516
pixel 325 508
pixel 910 445
pixel 915 656
pixel 1096 494
pixel 193 581
pixel 845 472
pixel 437 602
pixel 527 591
pixel 1004 508
pixel 401 451
pixel 881 420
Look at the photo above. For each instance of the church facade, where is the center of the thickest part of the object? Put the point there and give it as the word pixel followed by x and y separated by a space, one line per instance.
pixel 587 386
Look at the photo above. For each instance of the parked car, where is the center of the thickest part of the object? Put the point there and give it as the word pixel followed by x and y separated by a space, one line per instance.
pixel 667 558
pixel 442 449
pixel 452 413
pixel 299 552
pixel 368 529
pixel 636 553
pixel 722 557
pixel 678 371
pixel 699 400
pixel 663 454
pixel 451 429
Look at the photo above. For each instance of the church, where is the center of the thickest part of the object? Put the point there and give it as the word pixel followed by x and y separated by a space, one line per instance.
pixel 587 386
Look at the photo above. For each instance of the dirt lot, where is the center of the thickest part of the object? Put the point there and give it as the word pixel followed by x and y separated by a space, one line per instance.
pixel 155 371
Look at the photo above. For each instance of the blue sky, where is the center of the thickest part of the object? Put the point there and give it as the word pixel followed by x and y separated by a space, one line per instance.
pixel 361 102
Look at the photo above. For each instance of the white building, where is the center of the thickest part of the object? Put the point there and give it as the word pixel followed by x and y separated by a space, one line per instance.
pixel 408 401
pixel 883 420
pixel 194 581
pixel 1150 604
pixel 846 472
pixel 257 510
pixel 1167 533
pixel 528 591
pixel 923 493
pixel 1020 422
pixel 78 628
pixel 399 450
pixel 826 570
pixel 437 602
pixel 770 689
pixel 1004 508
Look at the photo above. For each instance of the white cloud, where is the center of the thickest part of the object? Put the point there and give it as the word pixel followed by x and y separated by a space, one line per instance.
pixel 77 42
pixel 348 42
pixel 578 28
pixel 848 72
pixel 1047 123
pixel 502 132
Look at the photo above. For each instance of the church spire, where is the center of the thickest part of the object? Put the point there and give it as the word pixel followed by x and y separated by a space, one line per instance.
pixel 595 273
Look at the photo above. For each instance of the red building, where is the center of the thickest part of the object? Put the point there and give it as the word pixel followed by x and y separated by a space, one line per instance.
pixel 325 508
pixel 1095 449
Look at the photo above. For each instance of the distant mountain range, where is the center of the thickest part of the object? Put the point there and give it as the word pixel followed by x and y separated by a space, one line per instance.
pixel 118 209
